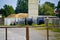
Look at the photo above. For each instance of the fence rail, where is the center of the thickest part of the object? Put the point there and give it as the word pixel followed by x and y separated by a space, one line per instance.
pixel 27 29
pixel 27 32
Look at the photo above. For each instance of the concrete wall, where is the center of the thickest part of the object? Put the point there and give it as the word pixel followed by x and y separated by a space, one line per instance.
pixel 33 8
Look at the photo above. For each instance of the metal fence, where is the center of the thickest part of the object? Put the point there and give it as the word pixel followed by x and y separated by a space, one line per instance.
pixel 27 32
pixel 55 20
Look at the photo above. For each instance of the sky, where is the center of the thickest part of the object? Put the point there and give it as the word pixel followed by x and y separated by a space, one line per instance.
pixel 8 2
pixel 52 1
pixel 14 2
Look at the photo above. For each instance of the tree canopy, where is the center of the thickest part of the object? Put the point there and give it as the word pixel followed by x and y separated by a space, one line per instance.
pixel 22 6
pixel 58 6
pixel 58 9
pixel 50 4
pixel 7 10
pixel 46 9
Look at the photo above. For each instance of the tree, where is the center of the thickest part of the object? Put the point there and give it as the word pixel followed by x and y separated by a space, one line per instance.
pixel 39 10
pixel 58 9
pixel 2 11
pixel 50 4
pixel 58 6
pixel 45 9
pixel 7 10
pixel 22 6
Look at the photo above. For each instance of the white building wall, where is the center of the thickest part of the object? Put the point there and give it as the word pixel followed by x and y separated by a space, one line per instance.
pixel 8 21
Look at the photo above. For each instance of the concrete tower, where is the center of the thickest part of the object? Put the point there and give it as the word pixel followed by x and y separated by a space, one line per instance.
pixel 33 8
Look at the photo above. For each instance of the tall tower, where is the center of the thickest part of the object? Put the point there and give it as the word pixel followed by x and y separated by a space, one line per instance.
pixel 33 8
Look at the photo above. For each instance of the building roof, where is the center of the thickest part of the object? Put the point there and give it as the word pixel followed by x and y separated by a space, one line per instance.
pixel 19 15
pixel 11 16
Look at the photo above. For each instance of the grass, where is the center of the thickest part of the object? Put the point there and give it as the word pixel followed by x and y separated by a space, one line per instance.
pixel 57 36
pixel 1 24
pixel 35 25
pixel 55 29
pixel 42 25
pixel 21 25
pixel 52 29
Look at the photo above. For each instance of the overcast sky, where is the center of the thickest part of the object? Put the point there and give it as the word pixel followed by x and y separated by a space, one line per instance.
pixel 14 2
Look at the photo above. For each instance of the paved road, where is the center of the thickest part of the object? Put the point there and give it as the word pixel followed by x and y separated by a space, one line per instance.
pixel 19 34
pixel 2 31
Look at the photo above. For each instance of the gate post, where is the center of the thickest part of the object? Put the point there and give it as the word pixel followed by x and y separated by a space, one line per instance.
pixel 6 33
pixel 27 33
pixel 47 27
pixel 47 33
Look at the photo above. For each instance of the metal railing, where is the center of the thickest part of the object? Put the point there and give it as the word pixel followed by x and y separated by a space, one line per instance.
pixel 27 30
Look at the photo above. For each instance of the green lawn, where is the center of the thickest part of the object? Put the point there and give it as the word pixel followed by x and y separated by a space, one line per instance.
pixel 41 25
pixel 55 29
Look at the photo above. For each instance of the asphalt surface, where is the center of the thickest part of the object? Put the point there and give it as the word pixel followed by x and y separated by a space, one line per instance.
pixel 20 34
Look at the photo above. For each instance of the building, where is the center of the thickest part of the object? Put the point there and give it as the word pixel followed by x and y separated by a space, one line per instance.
pixel 32 13
pixel 15 18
